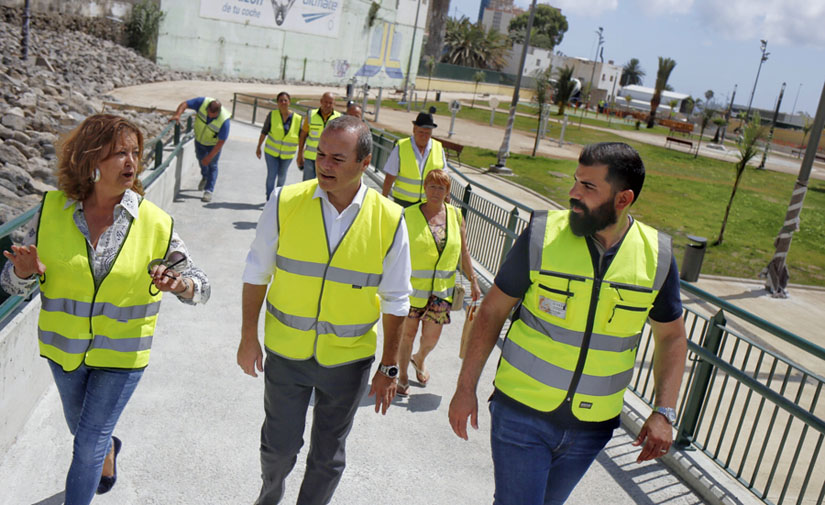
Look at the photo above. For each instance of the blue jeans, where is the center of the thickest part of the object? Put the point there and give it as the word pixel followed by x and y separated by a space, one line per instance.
pixel 92 402
pixel 275 167
pixel 209 172
pixel 535 462
pixel 309 169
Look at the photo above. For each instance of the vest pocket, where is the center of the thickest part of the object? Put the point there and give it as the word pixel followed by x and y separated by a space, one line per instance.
pixel 626 308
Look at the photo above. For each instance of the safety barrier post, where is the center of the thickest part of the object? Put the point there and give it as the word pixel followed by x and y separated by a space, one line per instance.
pixel 158 153
pixel 508 239
pixel 468 190
pixel 254 109
pixel 699 387
pixel 177 133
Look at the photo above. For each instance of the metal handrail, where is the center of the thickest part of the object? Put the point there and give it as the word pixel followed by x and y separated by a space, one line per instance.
pixel 757 321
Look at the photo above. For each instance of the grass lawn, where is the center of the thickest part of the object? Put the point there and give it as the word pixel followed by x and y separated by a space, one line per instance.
pixel 682 196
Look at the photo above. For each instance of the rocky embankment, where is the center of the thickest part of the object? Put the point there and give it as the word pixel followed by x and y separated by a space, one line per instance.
pixel 66 78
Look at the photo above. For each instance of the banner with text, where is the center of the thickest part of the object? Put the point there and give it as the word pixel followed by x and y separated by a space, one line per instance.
pixel 316 17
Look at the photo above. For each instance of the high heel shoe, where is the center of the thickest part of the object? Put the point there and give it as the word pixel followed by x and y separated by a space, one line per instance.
pixel 106 483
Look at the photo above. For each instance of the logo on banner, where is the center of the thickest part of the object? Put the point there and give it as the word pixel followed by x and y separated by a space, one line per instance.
pixel 280 9
pixel 384 49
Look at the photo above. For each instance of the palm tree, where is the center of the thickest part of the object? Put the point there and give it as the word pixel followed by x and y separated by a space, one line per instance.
pixel 564 88
pixel 751 133
pixel 469 45
pixel 707 115
pixel 662 75
pixel 720 123
pixel 429 63
pixel 708 95
pixel 628 99
pixel 541 97
pixel 672 105
pixel 632 73
pixel 437 23
pixel 477 78
pixel 806 128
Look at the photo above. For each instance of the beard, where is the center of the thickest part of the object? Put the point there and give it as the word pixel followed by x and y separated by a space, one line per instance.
pixel 590 222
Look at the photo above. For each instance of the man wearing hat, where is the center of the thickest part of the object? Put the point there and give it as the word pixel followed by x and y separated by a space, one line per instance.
pixel 410 162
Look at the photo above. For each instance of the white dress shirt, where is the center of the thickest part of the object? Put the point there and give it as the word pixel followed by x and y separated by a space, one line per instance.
pixel 394 288
pixel 393 164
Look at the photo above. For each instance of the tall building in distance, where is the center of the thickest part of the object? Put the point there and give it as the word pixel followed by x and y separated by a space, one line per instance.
pixel 497 14
pixel 484 5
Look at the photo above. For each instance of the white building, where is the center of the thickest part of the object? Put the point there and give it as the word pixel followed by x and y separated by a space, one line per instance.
pixel 605 75
pixel 641 97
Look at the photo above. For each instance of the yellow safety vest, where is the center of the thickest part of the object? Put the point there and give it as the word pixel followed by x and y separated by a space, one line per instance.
pixel 316 126
pixel 279 143
pixel 570 317
pixel 409 184
pixel 207 133
pixel 433 272
pixel 323 302
pixel 111 326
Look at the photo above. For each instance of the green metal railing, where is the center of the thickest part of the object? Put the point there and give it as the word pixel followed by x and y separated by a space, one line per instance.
pixel 755 412
pixel 172 137
pixel 260 102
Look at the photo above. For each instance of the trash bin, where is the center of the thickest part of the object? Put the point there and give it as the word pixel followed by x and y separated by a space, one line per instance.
pixel 438 96
pixel 694 255
pixel 349 91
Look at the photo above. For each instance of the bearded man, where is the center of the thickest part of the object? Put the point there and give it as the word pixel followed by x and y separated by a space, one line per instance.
pixel 586 279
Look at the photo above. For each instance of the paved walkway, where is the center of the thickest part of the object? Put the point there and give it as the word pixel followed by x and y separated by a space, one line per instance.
pixel 191 430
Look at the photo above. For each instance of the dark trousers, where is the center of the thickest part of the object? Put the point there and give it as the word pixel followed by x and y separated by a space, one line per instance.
pixel 288 387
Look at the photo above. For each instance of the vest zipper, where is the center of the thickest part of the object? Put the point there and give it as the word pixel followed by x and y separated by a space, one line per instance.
pixel 588 330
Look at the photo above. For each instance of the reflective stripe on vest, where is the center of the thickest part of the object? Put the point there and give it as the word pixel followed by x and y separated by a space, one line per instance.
pixel 433 272
pixel 111 326
pixel 207 133
pixel 409 183
pixel 323 303
pixel 316 126
pixel 282 144
pixel 558 326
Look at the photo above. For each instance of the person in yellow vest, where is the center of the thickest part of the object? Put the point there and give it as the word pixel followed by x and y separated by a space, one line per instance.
pixel 437 240
pixel 335 256
pixel 281 132
pixel 314 123
pixel 211 131
pixel 586 279
pixel 410 162
pixel 104 256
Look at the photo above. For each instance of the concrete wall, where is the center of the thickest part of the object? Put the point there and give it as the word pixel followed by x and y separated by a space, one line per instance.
pixel 189 41
pixel 118 9
pixel 24 375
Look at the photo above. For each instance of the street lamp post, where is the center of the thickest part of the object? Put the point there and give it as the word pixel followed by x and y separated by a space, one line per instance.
pixel 773 126
pixel 761 61
pixel 600 33
pixel 412 48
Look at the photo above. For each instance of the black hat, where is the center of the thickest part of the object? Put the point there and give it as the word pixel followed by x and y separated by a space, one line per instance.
pixel 424 120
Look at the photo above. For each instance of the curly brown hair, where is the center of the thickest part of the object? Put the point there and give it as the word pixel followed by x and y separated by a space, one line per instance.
pixel 87 145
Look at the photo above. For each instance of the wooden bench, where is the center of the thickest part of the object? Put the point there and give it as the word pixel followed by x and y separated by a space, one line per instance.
pixel 451 147
pixel 688 143
pixel 677 126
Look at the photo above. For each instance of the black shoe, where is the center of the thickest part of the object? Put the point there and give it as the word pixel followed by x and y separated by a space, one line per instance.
pixel 107 483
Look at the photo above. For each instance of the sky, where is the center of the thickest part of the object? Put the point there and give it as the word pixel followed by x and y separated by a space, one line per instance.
pixel 716 43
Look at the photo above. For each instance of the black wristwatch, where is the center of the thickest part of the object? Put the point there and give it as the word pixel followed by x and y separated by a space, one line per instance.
pixel 390 371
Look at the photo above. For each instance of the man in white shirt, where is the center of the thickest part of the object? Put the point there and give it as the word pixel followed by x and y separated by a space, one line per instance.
pixel 411 160
pixel 333 247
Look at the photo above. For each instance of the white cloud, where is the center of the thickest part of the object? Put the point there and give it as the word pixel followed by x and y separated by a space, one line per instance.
pixel 592 8
pixel 665 7
pixel 784 22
